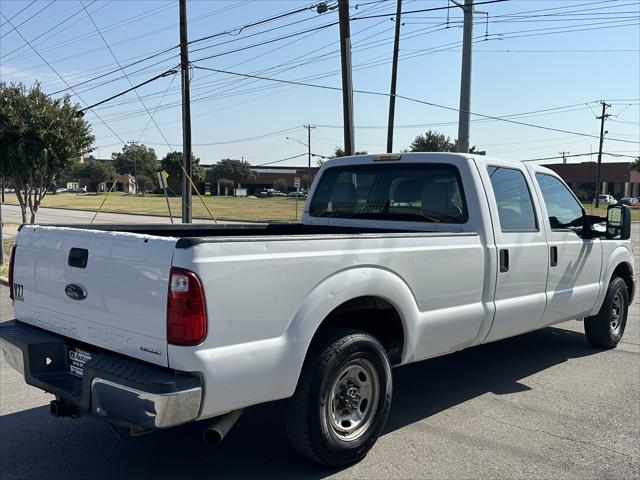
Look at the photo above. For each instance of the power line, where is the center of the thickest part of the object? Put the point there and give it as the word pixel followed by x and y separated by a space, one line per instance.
pixel 433 9
pixel 173 77
pixel 60 77
pixel 281 160
pixel 166 50
pixel 15 27
pixel 577 155
pixel 119 24
pixel 124 92
pixel 125 74
pixel 19 12
pixel 369 92
pixel 284 37
pixel 49 30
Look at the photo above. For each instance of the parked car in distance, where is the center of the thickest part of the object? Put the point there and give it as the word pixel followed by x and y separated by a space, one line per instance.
pixel 299 194
pixel 77 190
pixel 61 190
pixel 271 192
pixel 630 201
pixel 606 199
pixel 398 258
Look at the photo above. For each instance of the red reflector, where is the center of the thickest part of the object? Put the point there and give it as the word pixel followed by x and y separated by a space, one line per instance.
pixel 186 312
pixel 12 258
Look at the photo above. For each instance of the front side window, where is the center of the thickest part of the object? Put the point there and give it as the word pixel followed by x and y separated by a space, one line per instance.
pixel 562 207
pixel 409 192
pixel 515 206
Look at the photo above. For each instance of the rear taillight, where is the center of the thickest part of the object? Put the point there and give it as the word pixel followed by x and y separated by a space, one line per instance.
pixel 186 312
pixel 12 258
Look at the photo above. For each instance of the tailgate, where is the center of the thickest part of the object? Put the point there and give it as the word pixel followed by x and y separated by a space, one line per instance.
pixel 107 289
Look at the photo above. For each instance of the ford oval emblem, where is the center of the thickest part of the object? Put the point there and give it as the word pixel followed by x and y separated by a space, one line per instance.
pixel 75 291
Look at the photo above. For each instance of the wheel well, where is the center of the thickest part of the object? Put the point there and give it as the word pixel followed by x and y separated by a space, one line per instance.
pixel 623 271
pixel 373 315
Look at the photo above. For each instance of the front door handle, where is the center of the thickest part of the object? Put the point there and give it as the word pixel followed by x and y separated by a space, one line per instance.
pixel 553 256
pixel 504 260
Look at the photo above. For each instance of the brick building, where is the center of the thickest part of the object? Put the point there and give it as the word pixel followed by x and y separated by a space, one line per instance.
pixel 266 177
pixel 124 183
pixel 616 178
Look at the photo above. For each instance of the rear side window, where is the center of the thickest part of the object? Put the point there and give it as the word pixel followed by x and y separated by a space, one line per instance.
pixel 562 207
pixel 515 206
pixel 409 192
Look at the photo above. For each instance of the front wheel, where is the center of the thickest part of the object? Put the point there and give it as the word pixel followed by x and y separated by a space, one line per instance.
pixel 605 329
pixel 342 400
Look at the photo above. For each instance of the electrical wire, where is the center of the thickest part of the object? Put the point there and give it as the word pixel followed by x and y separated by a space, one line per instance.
pixel 125 74
pixel 19 12
pixel 403 97
pixel 14 27
pixel 60 76
pixel 50 30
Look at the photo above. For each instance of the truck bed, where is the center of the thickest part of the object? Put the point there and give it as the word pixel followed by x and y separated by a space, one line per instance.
pixel 189 235
pixel 228 229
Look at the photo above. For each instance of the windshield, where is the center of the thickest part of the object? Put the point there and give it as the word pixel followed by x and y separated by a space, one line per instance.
pixel 411 192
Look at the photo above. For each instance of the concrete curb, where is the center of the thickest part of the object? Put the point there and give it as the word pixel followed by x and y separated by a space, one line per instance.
pixel 4 281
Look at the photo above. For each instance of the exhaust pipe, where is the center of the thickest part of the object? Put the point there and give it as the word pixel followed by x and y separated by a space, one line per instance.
pixel 216 432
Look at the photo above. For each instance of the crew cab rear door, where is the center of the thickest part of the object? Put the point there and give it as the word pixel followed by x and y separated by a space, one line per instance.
pixel 573 284
pixel 103 289
pixel 520 297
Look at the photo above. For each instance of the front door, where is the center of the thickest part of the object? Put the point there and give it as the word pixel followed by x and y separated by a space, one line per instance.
pixel 574 263
pixel 522 251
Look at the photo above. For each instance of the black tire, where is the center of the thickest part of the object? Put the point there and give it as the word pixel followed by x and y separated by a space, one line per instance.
pixel 340 360
pixel 605 329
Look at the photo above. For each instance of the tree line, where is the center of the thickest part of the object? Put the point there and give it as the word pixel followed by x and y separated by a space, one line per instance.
pixel 42 142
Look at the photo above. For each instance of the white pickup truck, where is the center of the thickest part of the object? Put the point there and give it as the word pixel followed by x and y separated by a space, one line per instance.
pixel 399 258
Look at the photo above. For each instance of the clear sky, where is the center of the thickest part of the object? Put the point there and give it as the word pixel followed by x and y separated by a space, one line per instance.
pixel 553 58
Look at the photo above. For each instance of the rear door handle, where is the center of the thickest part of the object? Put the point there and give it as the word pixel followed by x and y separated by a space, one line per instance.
pixel 504 260
pixel 553 256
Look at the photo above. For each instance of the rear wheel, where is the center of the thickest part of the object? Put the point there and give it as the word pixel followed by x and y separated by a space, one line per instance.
pixel 605 329
pixel 342 400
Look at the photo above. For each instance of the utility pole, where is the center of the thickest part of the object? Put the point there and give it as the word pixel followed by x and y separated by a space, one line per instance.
pixel 465 77
pixel 347 85
pixel 564 156
pixel 186 115
pixel 394 78
pixel 602 118
pixel 309 127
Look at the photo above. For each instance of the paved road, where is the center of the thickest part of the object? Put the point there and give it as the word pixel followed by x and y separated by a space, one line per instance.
pixel 11 213
pixel 541 405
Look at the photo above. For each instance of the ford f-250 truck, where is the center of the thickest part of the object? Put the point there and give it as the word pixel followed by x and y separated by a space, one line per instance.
pixel 398 258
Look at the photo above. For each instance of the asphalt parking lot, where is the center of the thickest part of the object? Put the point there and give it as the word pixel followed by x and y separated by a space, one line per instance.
pixel 541 405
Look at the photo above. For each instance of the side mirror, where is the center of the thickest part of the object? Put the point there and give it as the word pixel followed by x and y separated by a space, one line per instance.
pixel 618 222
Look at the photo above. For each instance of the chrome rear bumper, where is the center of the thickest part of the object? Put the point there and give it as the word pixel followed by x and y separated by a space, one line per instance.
pixel 112 387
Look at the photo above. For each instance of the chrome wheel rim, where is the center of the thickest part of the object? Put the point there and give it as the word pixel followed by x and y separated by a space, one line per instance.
pixel 353 400
pixel 615 315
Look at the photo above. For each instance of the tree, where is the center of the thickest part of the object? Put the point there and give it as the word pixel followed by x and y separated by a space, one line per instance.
pixel 339 152
pixel 235 170
pixel 39 137
pixel 137 160
pixel 226 184
pixel 281 184
pixel 172 163
pixel 432 142
pixel 97 172
pixel 635 165
pixel 435 142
